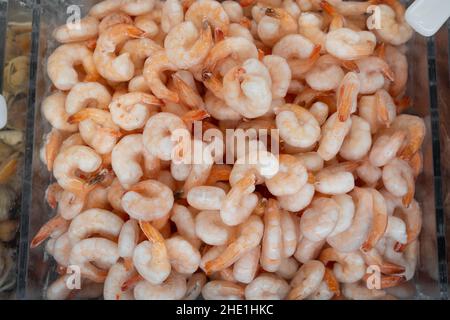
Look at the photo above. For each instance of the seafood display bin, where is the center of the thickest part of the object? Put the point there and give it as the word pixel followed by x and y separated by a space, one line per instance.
pixel 427 87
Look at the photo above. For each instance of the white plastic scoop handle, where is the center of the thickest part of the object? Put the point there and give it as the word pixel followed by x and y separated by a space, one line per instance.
pixel 428 16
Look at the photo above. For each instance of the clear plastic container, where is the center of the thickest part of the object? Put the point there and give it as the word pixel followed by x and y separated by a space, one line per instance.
pixel 36 269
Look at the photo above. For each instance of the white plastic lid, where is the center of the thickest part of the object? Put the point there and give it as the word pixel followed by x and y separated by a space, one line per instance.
pixel 428 16
pixel 3 112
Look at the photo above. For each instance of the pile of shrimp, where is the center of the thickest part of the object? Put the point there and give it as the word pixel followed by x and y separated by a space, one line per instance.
pixel 140 225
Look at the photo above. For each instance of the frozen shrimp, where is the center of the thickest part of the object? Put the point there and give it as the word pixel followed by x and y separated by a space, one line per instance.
pixel 53 109
pixel 280 73
pixel 117 275
pixel 275 24
pixel 87 95
pixel 95 222
pixel 114 18
pixel 396 230
pixel 185 223
pixel 326 74
pixel 359 291
pixel 157 136
pixel 131 7
pixel 239 202
pixel 173 288
pixel 247 89
pixel 307 280
pixel 222 290
pixel 385 148
pixel 337 179
pixel 245 268
pixel 187 47
pixel 372 74
pixel 147 24
pixel 347 95
pixel 288 268
pixel 97 129
pixel 289 233
pixel 267 287
pixel 132 110
pixel 218 109
pixel 210 228
pixel 297 126
pixel 234 10
pixel 62 62
pixel 148 200
pixel 172 14
pixel 299 200
pixel 310 25
pixel 333 135
pixel 311 160
pixel 272 242
pixel 87 29
pixel 346 209
pixel 357 143
pixel 69 161
pixel 112 67
pixel 70 205
pixel 206 197
pixel 348 267
pixel 415 132
pixel 59 290
pixel 183 257
pixel 249 236
pixel 368 173
pixel 307 249
pixel 317 222
pixel 347 44
pixel 115 193
pixel 61 249
pixel 412 217
pixel 128 239
pixel 398 63
pixel 98 250
pixel 211 11
pixel 139 50
pixel 398 179
pixel 150 257
pixel 291 176
pixel 379 221
pixel 299 51
pixel 394 28
pixel 352 238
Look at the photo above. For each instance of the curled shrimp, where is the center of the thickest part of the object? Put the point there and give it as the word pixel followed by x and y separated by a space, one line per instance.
pixel 357 143
pixel 346 44
pixel 173 288
pixel 307 250
pixel 347 95
pixel 134 163
pixel 127 240
pixel 320 219
pixel 297 126
pixel 185 223
pixel 69 161
pixel 132 110
pixel 307 280
pixel 117 275
pixel 53 109
pixel 245 268
pixel 412 216
pixel 275 24
pixel 359 291
pixel 195 285
pixel 336 179
pixel 333 135
pixel 380 221
pixel 394 29
pixel 267 287
pixel 52 228
pixel 211 11
pixel 353 237
pixel 148 200
pixel 348 267
pixel 139 50
pixel 87 29
pixel 97 129
pixel 218 109
pixel 398 63
pixel 157 136
pixel 398 179
pixel 372 74
pixel 310 25
pixel 326 74
pixel 222 290
pixel 210 228
pixel 146 23
pixel 131 7
pixel 154 66
pixel 239 202
pixel 250 235
pixel 385 148
pixel 172 14
pixel 299 51
pixel 101 251
pixel 280 73
pixel 239 89
pixel 299 200
pixel 150 257
pixel 415 133
pixel 86 95
pixel 183 257
pixel 61 65
pixel 112 67
pixel 113 18
pixel 290 178
pixel 206 197
pixel 185 46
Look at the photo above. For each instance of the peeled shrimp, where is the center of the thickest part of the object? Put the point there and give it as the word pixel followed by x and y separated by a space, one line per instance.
pixel 394 28
pixel 53 109
pixel 171 14
pixel 87 29
pixel 271 249
pixel 275 24
pixel 117 275
pixel 333 135
pixel 348 267
pixel 131 7
pixel 210 228
pixel 246 267
pixel 211 11
pixel 267 287
pixel 357 143
pixel 173 288
pixel 307 280
pixel 87 95
pixel 347 44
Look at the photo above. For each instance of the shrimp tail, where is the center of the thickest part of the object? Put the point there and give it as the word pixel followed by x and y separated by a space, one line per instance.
pixel 134 32
pixel 391 268
pixel 332 282
pixel 346 94
pixel 152 234
pixel 195 115
pixel 131 282
pixel 219 173
pixel 46 230
pixel 52 148
pixel 227 258
pixel 402 104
